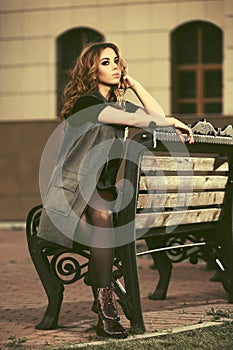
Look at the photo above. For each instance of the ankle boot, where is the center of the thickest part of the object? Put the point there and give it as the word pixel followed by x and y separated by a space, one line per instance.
pixel 94 307
pixel 106 304
pixel 110 329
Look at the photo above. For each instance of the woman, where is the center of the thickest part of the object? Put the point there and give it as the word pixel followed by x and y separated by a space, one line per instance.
pixel 95 81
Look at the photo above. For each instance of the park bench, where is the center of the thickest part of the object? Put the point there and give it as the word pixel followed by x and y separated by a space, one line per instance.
pixel 181 204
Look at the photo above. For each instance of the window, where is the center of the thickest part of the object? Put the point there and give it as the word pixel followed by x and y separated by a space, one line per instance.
pixel 197 69
pixel 69 47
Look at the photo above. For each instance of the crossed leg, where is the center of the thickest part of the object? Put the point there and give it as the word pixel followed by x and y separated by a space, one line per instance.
pixel 97 223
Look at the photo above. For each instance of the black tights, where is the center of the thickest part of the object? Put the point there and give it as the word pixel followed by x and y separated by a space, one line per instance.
pixel 99 215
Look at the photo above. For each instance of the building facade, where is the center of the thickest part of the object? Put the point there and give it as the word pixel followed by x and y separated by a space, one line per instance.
pixel 180 50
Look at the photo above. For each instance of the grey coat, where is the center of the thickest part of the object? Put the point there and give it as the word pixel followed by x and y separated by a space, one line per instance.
pixel 80 162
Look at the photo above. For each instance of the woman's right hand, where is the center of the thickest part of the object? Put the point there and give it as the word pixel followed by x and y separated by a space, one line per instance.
pixel 129 82
pixel 148 101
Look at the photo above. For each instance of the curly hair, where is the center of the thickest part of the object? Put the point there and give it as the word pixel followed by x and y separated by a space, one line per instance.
pixel 83 75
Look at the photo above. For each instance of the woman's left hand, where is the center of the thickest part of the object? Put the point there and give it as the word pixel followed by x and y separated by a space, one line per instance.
pixel 179 126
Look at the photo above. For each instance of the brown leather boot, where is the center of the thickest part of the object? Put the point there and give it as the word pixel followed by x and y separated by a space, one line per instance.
pixel 106 304
pixel 110 329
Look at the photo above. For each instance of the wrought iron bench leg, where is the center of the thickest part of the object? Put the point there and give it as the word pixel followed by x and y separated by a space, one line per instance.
pixel 164 267
pixel 227 243
pixel 124 299
pixel 53 288
pixel 127 254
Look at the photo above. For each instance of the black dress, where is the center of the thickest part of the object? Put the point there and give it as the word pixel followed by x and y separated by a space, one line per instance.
pixel 108 176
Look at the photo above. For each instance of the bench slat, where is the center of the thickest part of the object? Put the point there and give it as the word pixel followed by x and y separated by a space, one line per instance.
pixel 168 183
pixel 172 200
pixel 151 163
pixel 150 220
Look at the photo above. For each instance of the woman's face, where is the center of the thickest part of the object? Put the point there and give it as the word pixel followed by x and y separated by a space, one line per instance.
pixel 109 72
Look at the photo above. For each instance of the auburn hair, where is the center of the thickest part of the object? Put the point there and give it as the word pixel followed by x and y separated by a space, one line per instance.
pixel 83 77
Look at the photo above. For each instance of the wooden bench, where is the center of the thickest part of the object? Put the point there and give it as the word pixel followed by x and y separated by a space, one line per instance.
pixel 181 205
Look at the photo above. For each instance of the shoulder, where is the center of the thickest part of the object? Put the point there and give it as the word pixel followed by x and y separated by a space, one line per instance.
pixel 86 101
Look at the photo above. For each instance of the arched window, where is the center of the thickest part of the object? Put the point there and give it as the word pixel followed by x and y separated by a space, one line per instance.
pixel 197 69
pixel 69 47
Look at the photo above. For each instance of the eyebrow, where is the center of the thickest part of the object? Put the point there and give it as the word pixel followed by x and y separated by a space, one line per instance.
pixel 107 58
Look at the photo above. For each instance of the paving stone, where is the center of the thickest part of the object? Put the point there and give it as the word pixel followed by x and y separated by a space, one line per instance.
pixel 191 296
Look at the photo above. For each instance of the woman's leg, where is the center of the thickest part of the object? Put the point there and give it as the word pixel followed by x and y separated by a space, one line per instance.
pixel 99 216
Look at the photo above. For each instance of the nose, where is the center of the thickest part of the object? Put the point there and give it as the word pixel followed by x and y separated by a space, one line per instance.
pixel 115 65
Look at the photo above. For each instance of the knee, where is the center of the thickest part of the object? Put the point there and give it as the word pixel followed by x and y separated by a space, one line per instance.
pixel 101 218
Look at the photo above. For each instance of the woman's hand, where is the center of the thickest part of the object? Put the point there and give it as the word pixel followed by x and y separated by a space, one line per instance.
pixel 148 101
pixel 129 82
pixel 178 125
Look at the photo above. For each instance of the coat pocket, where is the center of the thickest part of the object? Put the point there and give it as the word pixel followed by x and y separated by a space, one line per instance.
pixel 62 192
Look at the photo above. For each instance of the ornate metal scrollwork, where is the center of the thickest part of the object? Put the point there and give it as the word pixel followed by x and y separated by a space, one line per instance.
pixel 33 220
pixel 67 268
pixel 64 262
pixel 193 253
pixel 117 272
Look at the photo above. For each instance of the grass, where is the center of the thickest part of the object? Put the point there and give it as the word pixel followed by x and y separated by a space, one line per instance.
pixel 15 342
pixel 208 338
pixel 219 314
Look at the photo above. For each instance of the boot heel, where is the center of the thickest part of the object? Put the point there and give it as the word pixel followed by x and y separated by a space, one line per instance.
pixel 110 329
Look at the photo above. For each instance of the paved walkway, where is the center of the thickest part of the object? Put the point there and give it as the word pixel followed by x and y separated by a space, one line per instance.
pixel 191 297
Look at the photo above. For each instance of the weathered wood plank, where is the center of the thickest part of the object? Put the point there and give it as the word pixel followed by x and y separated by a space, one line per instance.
pixel 182 183
pixel 171 200
pixel 149 220
pixel 156 163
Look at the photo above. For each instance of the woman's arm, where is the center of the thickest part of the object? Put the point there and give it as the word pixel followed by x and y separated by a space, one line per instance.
pixel 151 106
pixel 140 118
pixel 149 103
pixel 152 112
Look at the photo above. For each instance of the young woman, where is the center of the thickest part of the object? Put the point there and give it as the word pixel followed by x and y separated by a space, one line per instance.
pixel 91 93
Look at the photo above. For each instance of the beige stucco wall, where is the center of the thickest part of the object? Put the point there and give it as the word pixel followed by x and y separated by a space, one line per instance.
pixel 28 32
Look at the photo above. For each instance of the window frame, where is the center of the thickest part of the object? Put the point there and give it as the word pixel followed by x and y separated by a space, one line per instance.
pixel 199 68
pixel 64 43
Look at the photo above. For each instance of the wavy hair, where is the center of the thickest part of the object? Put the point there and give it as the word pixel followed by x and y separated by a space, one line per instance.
pixel 83 75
